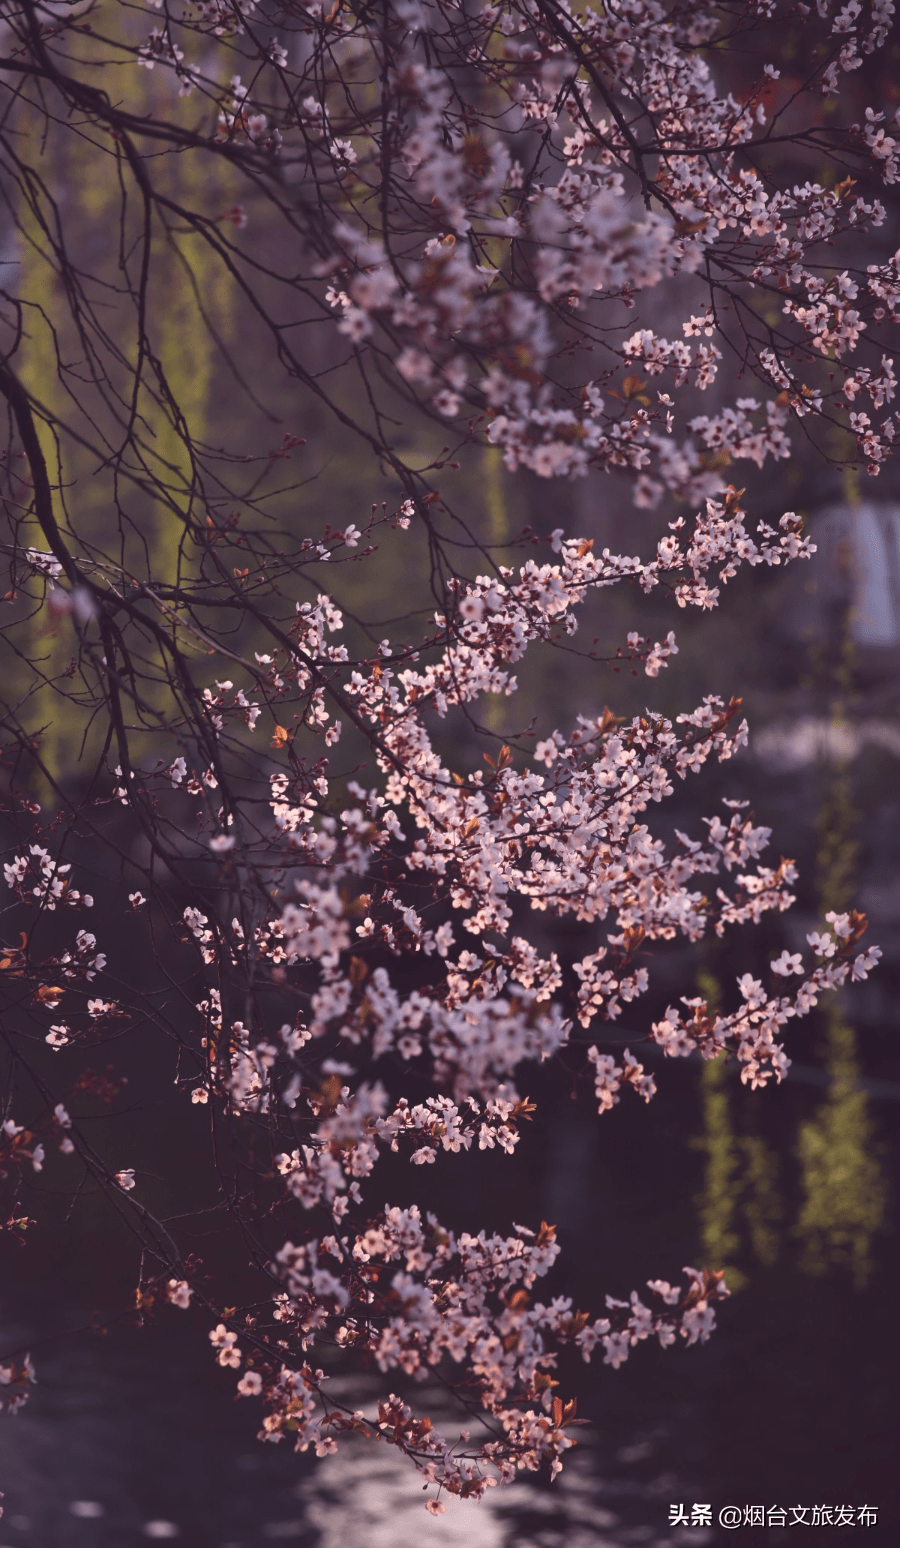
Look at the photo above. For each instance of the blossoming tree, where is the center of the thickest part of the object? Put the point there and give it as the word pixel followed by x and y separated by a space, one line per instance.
pixel 476 212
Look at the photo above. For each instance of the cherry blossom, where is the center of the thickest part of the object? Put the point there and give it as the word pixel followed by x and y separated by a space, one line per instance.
pixel 467 1299
pixel 491 209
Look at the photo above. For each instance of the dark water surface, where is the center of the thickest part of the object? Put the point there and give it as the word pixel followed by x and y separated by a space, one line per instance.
pixel 134 1434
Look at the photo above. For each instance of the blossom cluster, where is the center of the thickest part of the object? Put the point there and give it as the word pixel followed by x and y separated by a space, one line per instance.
pixel 571 840
pixel 488 222
pixel 42 876
pixel 417 1298
pixel 16 1377
pixel 455 868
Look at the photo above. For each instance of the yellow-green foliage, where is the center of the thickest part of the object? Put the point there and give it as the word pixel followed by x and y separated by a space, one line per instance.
pixel 740 1206
pixel 844 1191
pixel 100 210
pixel 718 1203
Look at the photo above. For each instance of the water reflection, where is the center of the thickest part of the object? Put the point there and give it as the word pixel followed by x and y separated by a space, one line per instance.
pixel 844 1189
pixel 232 1498
pixel 717 1205
pixel 741 1208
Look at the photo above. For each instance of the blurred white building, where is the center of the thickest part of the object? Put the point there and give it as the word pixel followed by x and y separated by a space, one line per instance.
pixel 858 562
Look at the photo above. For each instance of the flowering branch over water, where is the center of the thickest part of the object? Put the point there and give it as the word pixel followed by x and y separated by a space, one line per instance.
pixel 347 920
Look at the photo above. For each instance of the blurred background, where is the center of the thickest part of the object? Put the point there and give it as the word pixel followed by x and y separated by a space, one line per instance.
pixel 132 1432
